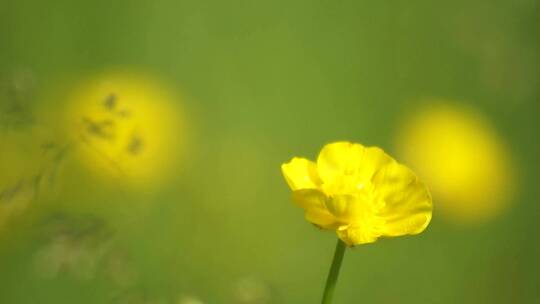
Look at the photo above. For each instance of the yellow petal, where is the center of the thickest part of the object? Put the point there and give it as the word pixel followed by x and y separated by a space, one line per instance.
pixel 354 235
pixel 309 198
pixel 321 218
pixel 300 173
pixel 345 167
pixel 348 207
pixel 341 205
pixel 314 204
pixel 406 200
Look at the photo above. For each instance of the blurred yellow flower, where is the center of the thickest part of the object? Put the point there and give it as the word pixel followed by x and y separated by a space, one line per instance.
pixel 360 192
pixel 129 127
pixel 460 155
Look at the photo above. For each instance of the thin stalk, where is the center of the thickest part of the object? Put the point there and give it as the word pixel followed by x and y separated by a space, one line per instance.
pixel 331 281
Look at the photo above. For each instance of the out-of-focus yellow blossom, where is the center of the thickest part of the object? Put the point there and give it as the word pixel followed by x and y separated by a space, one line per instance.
pixel 129 127
pixel 458 153
pixel 360 192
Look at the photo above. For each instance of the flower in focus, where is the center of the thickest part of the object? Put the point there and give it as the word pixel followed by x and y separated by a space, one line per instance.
pixel 360 192
pixel 128 126
pixel 461 156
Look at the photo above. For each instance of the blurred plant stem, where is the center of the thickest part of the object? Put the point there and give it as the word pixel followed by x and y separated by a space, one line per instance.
pixel 333 275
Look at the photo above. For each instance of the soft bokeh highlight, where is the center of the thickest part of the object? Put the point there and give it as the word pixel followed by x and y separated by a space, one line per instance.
pixel 128 128
pixel 463 159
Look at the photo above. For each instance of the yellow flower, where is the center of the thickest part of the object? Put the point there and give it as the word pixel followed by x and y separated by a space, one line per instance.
pixel 462 157
pixel 360 192
pixel 129 127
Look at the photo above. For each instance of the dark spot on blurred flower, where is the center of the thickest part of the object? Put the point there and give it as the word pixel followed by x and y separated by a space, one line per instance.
pixel 110 102
pixel 102 129
pixel 135 145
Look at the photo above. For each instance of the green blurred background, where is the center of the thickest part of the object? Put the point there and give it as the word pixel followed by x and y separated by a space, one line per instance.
pixel 261 82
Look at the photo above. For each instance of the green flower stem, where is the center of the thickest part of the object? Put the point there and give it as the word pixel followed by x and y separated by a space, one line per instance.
pixel 331 281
